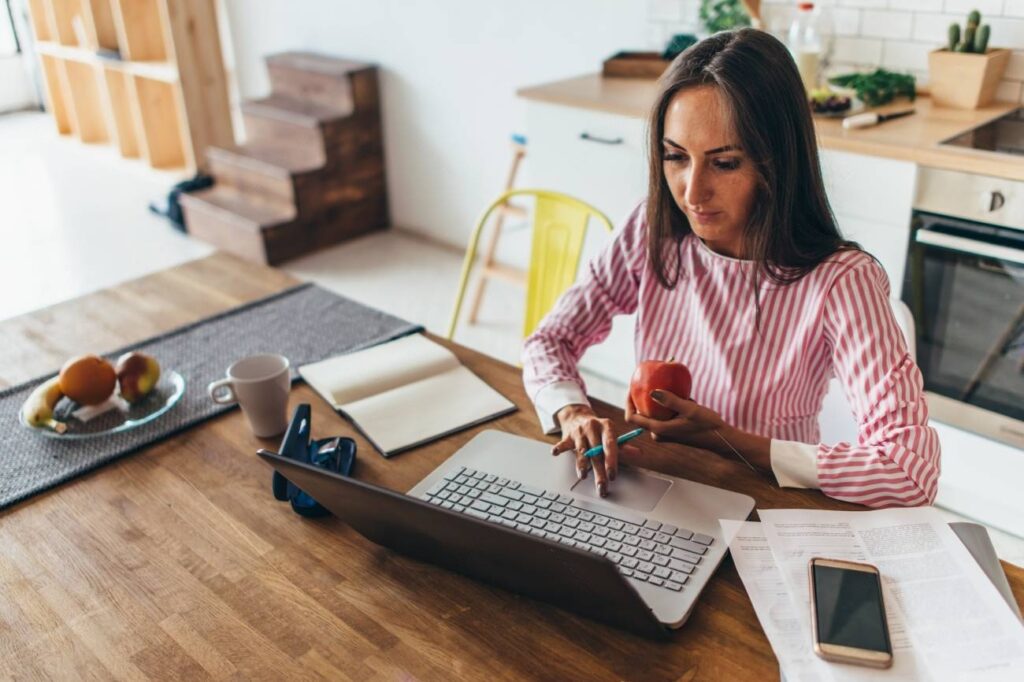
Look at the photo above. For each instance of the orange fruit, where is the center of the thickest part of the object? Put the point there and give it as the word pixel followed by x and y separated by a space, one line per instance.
pixel 87 379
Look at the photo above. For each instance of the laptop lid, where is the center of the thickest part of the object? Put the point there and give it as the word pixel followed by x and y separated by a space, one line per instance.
pixel 575 580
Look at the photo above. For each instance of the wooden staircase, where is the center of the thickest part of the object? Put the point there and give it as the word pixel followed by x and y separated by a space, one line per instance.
pixel 311 172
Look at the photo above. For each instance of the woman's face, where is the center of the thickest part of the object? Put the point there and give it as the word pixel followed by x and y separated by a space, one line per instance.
pixel 711 179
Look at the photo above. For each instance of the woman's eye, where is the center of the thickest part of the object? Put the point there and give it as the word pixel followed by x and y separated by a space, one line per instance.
pixel 672 156
pixel 727 164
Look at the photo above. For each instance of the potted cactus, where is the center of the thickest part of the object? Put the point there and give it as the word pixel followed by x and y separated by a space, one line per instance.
pixel 965 73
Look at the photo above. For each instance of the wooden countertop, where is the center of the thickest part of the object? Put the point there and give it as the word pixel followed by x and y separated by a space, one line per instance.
pixel 913 138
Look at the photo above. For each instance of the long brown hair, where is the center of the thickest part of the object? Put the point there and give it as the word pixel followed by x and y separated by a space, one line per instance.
pixel 791 228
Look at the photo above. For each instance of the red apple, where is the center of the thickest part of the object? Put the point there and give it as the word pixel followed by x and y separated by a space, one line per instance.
pixel 651 375
pixel 137 374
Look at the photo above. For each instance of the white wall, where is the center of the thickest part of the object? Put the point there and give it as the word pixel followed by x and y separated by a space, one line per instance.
pixel 894 34
pixel 449 71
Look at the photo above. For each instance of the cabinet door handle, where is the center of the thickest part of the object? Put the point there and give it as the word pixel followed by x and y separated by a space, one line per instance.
pixel 603 140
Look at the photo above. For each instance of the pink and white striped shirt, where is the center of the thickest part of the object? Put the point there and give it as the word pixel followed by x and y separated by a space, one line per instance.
pixel 836 321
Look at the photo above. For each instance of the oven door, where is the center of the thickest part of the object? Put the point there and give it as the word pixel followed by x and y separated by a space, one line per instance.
pixel 964 284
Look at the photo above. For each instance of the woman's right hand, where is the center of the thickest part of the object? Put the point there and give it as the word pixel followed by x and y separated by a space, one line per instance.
pixel 582 430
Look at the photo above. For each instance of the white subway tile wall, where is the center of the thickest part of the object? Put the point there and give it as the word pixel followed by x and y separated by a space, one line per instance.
pixel 894 34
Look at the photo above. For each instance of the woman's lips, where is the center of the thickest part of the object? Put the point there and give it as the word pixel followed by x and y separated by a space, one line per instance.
pixel 704 216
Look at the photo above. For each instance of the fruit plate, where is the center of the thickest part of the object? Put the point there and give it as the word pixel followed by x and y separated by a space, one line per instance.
pixel 165 395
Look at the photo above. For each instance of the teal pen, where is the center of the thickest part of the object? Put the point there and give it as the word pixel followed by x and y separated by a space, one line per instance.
pixel 624 438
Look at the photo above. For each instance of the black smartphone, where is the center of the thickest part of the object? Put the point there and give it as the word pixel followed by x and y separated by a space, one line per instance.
pixel 848 613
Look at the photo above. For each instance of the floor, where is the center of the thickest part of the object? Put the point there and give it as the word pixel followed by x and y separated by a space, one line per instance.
pixel 73 219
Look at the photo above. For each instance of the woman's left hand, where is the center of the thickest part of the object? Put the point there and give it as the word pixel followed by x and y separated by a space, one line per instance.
pixel 692 424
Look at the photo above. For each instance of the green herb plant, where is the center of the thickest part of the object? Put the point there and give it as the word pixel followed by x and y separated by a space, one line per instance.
pixel 723 15
pixel 878 87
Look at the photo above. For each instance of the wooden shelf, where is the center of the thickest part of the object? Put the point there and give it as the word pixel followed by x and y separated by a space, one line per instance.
pixel 145 75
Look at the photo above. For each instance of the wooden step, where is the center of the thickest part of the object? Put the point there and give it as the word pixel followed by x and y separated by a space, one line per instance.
pixel 254 227
pixel 263 166
pixel 328 81
pixel 301 122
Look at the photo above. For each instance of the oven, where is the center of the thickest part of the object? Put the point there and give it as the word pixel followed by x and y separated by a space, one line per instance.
pixel 964 285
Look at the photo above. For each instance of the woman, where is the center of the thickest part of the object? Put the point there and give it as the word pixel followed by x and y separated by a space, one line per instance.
pixel 735 267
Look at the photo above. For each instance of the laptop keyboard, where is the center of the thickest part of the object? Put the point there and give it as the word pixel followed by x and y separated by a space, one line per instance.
pixel 643 549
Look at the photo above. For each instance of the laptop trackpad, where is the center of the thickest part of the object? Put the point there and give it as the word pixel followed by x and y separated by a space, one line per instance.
pixel 631 488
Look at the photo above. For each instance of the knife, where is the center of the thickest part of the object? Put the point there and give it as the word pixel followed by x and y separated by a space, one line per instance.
pixel 872 118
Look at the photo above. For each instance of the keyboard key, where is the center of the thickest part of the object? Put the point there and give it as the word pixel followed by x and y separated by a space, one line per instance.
pixel 529 509
pixel 524 518
pixel 600 552
pixel 678 577
pixel 639 576
pixel 644 555
pixel 480 506
pixel 527 498
pixel 558 518
pixel 675 587
pixel 548 495
pixel 552 527
pixel 646 533
pixel 662 549
pixel 613 512
pixel 617 536
pixel 478 474
pixel 542 514
pixel 537 523
pixel 502 482
pixel 661 538
pixel 662 572
pixel 685 556
pixel 515 485
pixel 522 527
pixel 474 493
pixel 702 539
pixel 659 560
pixel 653 525
pixel 628 551
pixel 517 506
pixel 458 508
pixel 632 540
pixel 688 545
pixel 616 557
pixel 491 498
pixel 455 498
pixel 571 511
pixel 599 520
pixel 509 514
pixel 614 546
pixel 478 514
pixel 587 527
pixel 587 516
pixel 461 480
pixel 615 524
pixel 567 532
pixel 648 545
pixel 646 567
pixel 435 500
pixel 544 504
pixel 597 541
pixel 683 533
pixel 511 494
pixel 581 536
pixel 447 505
pixel 495 489
pixel 557 507
pixel 601 530
pixel 630 529
pixel 572 523
pixel 680 566
pixel 655 581
pixel 463 489
pixel 629 562
pixel 490 478
pixel 626 571
pixel 668 529
pixel 443 495
pixel 532 490
pixel 565 499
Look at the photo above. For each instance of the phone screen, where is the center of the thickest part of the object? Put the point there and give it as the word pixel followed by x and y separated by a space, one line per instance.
pixel 849 609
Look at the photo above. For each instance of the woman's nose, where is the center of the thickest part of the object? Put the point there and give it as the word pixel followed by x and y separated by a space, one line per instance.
pixel 698 191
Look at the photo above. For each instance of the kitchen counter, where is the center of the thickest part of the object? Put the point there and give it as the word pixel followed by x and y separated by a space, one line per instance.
pixel 913 138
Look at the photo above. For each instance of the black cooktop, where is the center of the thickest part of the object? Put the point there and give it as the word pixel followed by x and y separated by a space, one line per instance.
pixel 1005 135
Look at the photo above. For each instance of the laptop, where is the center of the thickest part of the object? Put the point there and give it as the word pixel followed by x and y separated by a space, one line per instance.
pixel 503 510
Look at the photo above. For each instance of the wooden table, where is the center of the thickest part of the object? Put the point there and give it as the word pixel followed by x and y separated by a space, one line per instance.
pixel 177 563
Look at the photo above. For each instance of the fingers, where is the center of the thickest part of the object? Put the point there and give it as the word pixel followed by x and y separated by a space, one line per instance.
pixel 672 401
pixel 611 451
pixel 582 465
pixel 561 446
pixel 595 433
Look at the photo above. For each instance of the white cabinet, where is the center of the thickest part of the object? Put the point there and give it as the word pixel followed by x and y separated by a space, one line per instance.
pixel 872 198
pixel 599 158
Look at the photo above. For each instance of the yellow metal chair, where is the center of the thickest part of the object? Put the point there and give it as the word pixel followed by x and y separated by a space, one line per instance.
pixel 559 226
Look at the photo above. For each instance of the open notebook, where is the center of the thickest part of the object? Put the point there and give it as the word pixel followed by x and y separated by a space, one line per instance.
pixel 405 392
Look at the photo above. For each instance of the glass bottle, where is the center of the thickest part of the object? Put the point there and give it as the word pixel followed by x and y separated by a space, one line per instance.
pixel 806 43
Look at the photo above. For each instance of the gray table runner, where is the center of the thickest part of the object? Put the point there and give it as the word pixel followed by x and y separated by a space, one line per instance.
pixel 305 324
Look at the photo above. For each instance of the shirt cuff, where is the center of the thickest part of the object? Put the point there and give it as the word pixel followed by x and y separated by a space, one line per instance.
pixel 553 397
pixel 795 465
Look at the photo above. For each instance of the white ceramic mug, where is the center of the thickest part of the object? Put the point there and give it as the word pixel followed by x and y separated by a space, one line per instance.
pixel 260 385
